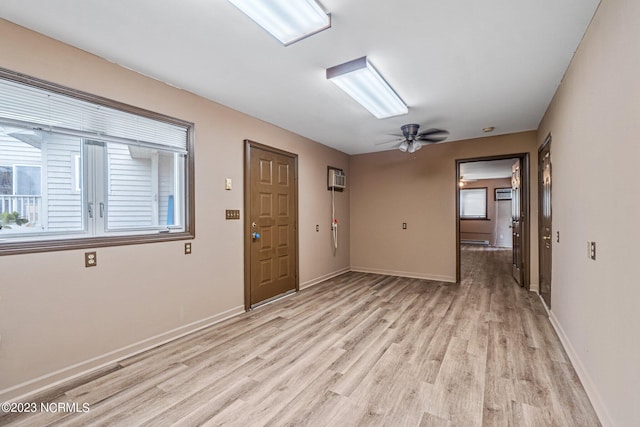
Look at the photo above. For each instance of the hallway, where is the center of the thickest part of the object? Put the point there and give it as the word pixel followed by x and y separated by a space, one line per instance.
pixel 360 349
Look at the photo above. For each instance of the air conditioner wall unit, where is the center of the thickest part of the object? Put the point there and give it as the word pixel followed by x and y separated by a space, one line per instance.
pixel 336 179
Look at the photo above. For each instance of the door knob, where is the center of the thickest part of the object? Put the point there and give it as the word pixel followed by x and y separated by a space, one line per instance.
pixel 255 235
pixel 546 237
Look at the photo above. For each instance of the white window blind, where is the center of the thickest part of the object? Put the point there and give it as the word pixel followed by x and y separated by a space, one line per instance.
pixel 36 108
pixel 473 203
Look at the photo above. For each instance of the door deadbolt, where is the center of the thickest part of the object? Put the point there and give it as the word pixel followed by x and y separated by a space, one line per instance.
pixel 254 225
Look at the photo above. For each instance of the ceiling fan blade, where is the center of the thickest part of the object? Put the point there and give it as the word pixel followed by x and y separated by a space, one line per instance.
pixel 391 142
pixel 431 139
pixel 433 131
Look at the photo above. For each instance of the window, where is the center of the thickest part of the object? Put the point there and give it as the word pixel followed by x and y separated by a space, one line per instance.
pixel 80 171
pixel 6 180
pixel 473 203
pixel 26 180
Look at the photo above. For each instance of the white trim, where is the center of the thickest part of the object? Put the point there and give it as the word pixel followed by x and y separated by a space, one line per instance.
pixel 409 274
pixel 22 391
pixel 583 374
pixel 317 280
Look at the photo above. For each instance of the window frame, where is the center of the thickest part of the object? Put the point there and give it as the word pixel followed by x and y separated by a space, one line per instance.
pixel 9 247
pixel 486 205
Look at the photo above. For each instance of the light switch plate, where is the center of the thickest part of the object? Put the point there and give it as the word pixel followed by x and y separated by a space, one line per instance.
pixel 227 184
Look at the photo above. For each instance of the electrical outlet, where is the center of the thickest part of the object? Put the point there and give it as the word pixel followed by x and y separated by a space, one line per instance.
pixel 317 227
pixel 90 259
pixel 592 250
pixel 187 248
pixel 404 225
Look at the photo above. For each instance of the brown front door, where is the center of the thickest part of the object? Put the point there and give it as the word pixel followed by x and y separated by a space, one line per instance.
pixel 271 228
pixel 516 221
pixel 544 228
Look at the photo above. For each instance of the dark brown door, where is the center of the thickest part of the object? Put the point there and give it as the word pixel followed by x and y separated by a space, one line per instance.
pixel 544 228
pixel 272 231
pixel 516 221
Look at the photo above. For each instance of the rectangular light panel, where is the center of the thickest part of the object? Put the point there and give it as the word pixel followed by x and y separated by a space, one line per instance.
pixel 360 80
pixel 288 21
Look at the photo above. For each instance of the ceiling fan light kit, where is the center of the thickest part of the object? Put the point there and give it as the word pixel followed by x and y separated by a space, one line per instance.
pixel 361 81
pixel 286 20
pixel 412 141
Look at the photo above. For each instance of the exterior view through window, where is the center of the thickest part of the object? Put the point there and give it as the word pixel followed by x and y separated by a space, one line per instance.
pixel 79 169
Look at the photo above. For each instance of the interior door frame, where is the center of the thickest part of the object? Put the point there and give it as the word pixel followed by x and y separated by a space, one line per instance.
pixel 524 206
pixel 248 144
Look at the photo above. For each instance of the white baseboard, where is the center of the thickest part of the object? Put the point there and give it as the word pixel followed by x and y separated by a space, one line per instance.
pixel 587 383
pixel 409 274
pixel 51 380
pixel 322 278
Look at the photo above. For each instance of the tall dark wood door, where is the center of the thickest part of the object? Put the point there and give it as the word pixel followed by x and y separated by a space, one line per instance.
pixel 272 228
pixel 516 222
pixel 544 226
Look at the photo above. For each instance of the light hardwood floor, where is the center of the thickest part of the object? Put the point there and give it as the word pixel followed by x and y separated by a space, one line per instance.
pixel 360 349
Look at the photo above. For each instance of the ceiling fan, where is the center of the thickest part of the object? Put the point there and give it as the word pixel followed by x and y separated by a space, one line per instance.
pixel 412 141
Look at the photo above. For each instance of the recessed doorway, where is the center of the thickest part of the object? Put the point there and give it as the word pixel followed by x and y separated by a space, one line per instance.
pixel 492 204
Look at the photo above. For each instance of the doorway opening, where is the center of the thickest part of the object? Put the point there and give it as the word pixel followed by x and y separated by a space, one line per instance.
pixel 492 210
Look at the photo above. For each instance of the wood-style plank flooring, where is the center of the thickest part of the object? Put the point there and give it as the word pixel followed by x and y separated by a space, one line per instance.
pixel 360 349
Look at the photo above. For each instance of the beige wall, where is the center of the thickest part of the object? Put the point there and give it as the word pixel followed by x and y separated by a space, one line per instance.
pixel 474 229
pixel 58 318
pixel 391 187
pixel 594 121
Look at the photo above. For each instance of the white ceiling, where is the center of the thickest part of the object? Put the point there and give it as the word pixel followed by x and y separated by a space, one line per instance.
pixel 459 65
pixel 487 169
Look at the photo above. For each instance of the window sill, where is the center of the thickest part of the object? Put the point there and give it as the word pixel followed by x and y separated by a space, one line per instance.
pixel 15 248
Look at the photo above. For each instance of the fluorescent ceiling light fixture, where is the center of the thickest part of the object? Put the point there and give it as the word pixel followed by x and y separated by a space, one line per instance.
pixel 287 20
pixel 360 80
